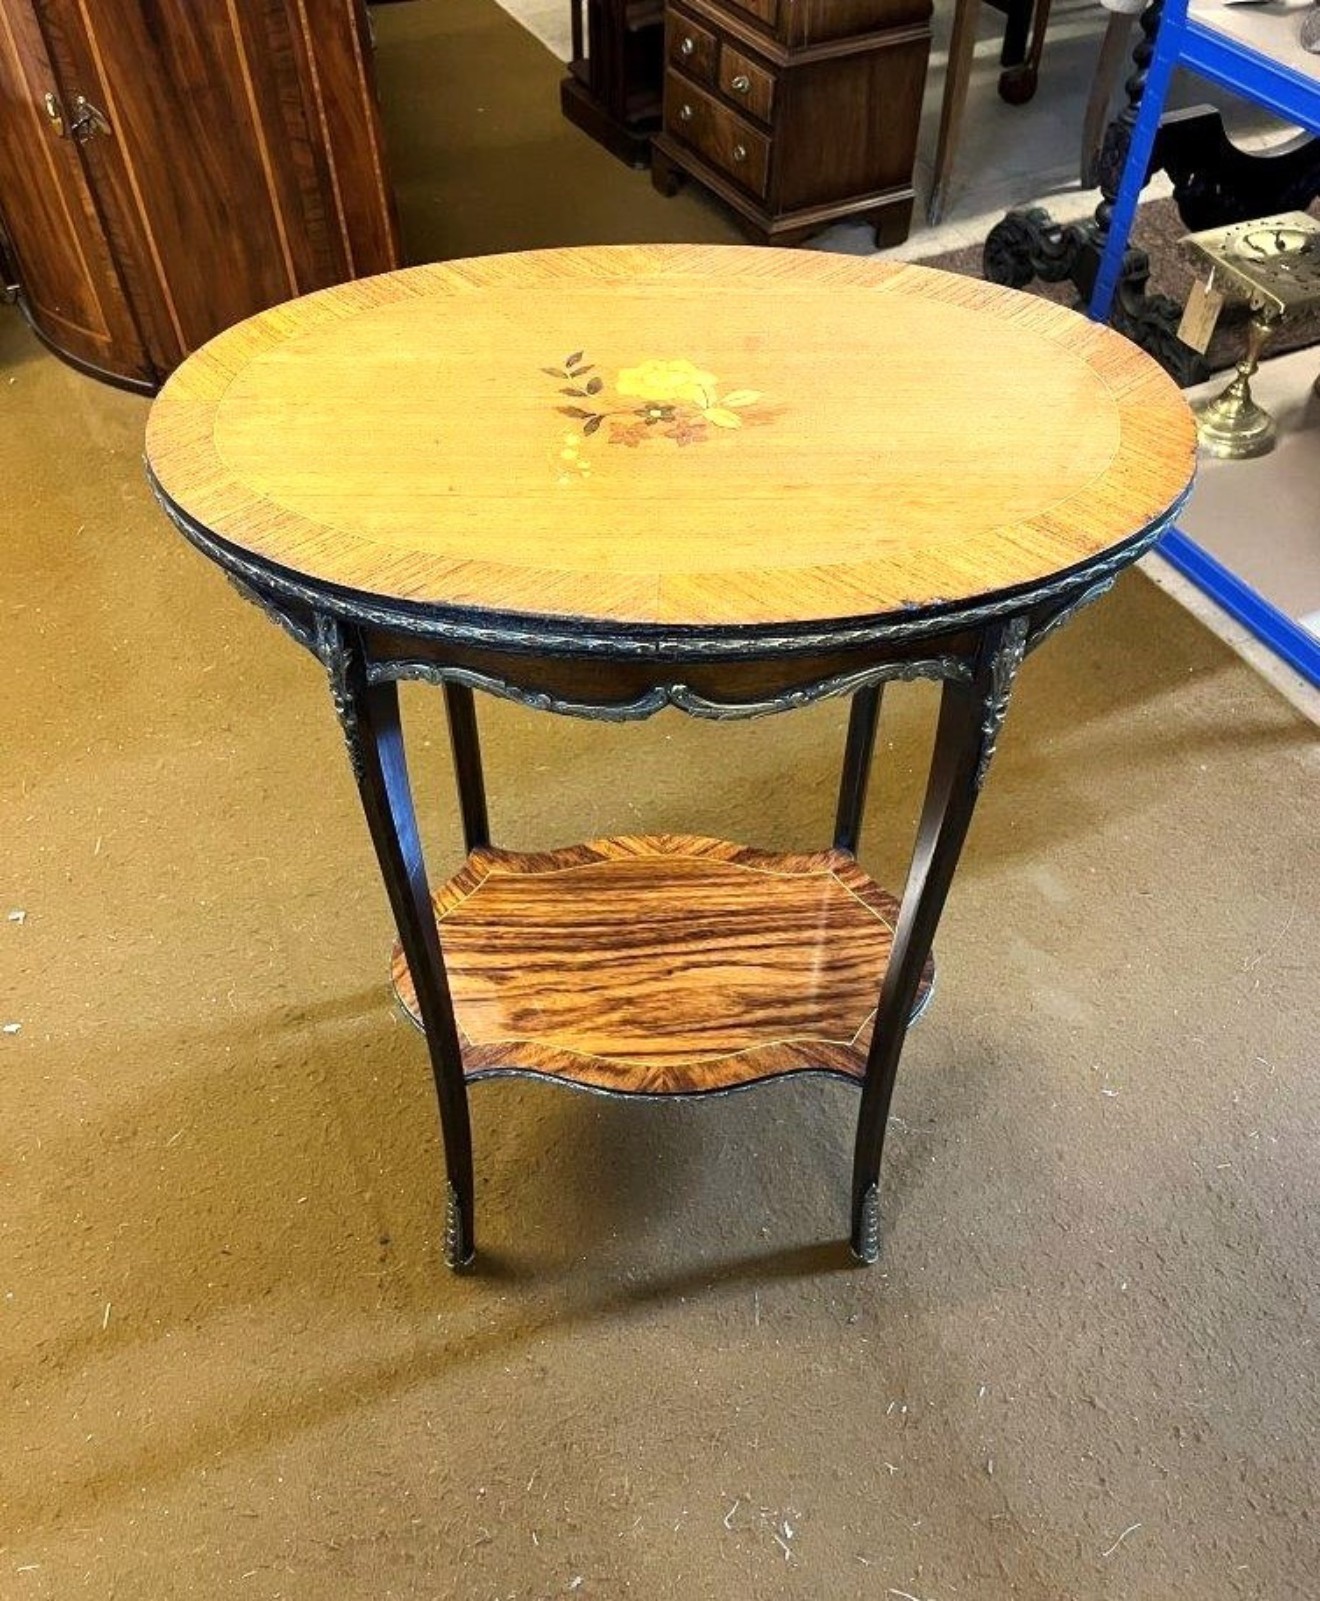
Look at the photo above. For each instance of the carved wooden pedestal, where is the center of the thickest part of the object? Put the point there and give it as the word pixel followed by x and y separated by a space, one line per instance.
pixel 612 90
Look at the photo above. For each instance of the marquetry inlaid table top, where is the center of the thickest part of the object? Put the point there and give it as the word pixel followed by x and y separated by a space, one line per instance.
pixel 603 482
pixel 666 435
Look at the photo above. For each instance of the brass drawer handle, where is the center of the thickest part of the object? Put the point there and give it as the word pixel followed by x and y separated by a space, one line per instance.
pixel 55 111
pixel 88 120
pixel 685 113
pixel 740 152
pixel 742 84
pixel 688 46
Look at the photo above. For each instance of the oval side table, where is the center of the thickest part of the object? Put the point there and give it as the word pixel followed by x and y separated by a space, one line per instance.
pixel 602 482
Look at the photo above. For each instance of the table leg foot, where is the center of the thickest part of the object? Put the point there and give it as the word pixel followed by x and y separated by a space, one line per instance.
pixel 866 1226
pixel 460 1251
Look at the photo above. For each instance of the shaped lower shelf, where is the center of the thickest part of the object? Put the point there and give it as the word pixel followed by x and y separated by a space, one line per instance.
pixel 663 965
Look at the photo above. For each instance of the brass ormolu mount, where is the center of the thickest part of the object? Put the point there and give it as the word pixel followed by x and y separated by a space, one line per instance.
pixel 1274 265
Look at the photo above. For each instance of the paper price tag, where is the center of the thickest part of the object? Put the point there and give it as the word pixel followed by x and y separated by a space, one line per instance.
pixel 1200 315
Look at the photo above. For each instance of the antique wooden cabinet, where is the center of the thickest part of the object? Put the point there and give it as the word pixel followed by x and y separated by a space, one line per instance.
pixel 796 112
pixel 612 90
pixel 166 170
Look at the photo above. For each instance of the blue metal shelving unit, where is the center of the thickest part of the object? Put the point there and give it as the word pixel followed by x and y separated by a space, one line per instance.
pixel 1188 39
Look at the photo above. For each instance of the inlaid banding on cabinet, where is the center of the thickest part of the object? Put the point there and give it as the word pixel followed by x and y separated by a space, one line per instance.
pixel 117 120
pixel 663 965
pixel 22 78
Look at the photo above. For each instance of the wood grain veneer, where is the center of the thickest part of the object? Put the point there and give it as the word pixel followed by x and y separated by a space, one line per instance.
pixel 718 133
pixel 405 436
pixel 261 110
pixel 71 288
pixel 612 90
pixel 666 965
pixel 237 164
pixel 837 87
pixel 692 47
pixel 745 82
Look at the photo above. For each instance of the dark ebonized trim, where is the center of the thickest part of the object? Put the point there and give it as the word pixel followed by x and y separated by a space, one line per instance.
pixel 589 638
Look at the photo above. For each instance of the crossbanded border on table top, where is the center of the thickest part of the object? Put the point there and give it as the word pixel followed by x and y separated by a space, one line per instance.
pixel 1147 474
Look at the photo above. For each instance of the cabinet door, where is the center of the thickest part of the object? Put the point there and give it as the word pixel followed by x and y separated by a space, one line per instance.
pixel 71 290
pixel 241 162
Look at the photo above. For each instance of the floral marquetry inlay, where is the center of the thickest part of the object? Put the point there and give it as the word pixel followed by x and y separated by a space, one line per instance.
pixel 655 401
pixel 423 438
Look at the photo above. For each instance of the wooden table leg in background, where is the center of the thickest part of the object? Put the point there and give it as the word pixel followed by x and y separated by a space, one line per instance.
pixel 958 74
pixel 1017 84
pixel 1112 59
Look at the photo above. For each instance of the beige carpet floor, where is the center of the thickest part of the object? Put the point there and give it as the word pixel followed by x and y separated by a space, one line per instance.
pixel 232 1364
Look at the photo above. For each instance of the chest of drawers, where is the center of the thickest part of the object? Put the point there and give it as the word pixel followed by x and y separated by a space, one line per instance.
pixel 796 113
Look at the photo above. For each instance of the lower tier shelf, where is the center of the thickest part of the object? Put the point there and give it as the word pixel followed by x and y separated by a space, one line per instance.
pixel 663 965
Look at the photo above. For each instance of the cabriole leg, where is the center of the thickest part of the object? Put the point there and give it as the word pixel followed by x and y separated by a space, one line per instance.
pixel 369 714
pixel 969 723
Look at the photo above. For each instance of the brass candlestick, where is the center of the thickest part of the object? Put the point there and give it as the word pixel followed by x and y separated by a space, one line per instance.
pixel 1233 424
pixel 1274 265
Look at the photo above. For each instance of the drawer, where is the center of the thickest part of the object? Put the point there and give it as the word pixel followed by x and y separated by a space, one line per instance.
pixel 691 46
pixel 717 133
pixel 748 83
pixel 766 11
